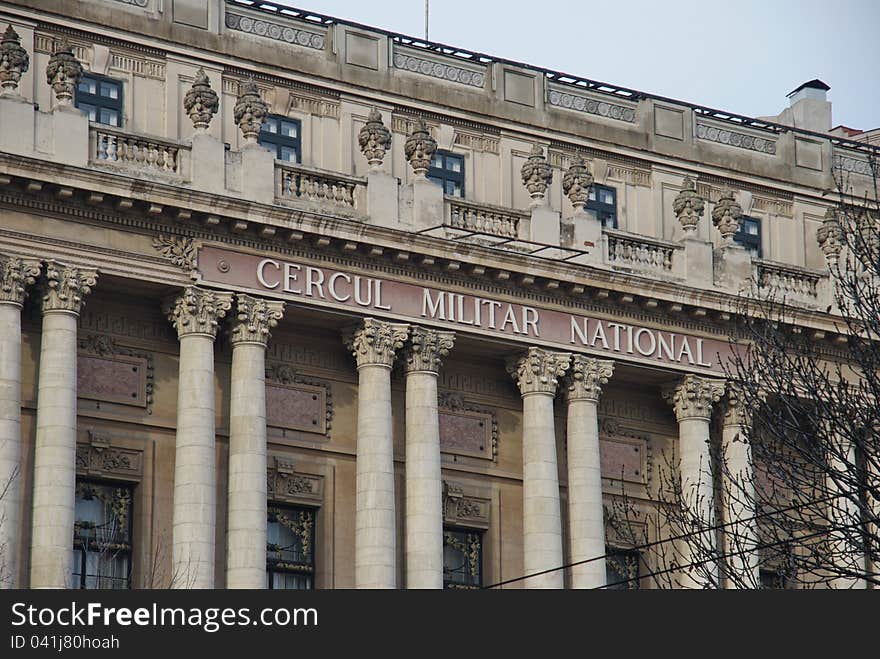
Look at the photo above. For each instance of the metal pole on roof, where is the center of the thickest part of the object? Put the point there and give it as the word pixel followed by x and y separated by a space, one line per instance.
pixel 426 19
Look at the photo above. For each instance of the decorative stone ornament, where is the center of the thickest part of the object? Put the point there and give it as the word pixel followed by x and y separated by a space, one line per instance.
pixel 694 396
pixel 539 370
pixel 374 342
pixel 15 276
pixel 688 206
pixel 14 61
pixel 419 148
pixel 536 174
pixel 65 286
pixel 198 311
pixel 426 349
pixel 63 72
pixel 201 102
pixel 375 139
pixel 250 111
pixel 830 236
pixel 587 377
pixel 726 216
pixel 576 183
pixel 255 318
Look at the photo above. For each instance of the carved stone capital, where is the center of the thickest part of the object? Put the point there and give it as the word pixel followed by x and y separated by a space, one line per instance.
pixel 576 183
pixel 688 206
pixel 539 370
pixel 426 348
pixel 250 111
pixel 198 311
pixel 375 342
pixel 374 139
pixel 14 60
pixel 65 286
pixel 419 148
pixel 15 276
pixel 693 397
pixel 254 318
pixel 736 409
pixel 587 376
pixel 63 72
pixel 201 102
pixel 726 216
pixel 537 173
pixel 830 236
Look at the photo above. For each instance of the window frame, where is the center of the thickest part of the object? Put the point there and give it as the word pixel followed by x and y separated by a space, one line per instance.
pixel 458 585
pixel 305 568
pixel 616 553
pixel 268 139
pixel 750 240
pixel 443 175
pixel 98 101
pixel 603 211
pixel 79 542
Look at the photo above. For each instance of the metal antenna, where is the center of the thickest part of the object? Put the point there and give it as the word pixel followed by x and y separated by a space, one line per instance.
pixel 426 19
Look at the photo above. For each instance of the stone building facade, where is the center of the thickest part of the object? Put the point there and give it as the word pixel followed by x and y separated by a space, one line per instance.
pixel 293 302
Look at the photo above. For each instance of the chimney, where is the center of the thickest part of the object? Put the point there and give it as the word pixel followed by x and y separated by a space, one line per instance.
pixel 810 107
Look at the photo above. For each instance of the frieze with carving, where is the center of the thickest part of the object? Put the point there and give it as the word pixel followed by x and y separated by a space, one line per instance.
pixel 100 457
pixel 284 484
pixel 464 508
pixel 181 251
pixel 465 428
pixel 275 31
pixel 107 371
pixel 296 402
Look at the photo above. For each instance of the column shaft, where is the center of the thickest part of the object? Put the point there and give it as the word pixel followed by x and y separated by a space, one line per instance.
pixel 741 529
pixel 699 499
pixel 846 552
pixel 10 442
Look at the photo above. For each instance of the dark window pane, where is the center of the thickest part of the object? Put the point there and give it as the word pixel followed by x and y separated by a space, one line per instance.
pixel 102 535
pixel 622 569
pixel 290 547
pixel 462 558
pixel 100 98
pixel 447 170
pixel 282 136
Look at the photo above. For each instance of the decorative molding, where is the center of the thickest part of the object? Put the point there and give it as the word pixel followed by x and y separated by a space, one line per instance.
pixel 254 318
pixel 198 311
pixel 285 484
pixel 589 105
pixel 101 456
pixel 461 507
pixel 587 376
pixel 285 33
pixel 462 421
pixel 693 397
pixel 771 205
pixel 320 107
pixel 45 43
pixel 538 370
pixel 102 347
pixel 374 342
pixel 181 251
pixel 426 349
pixel 712 133
pixel 65 286
pixel 479 143
pixel 852 165
pixel 15 276
pixel 469 77
pixel 317 392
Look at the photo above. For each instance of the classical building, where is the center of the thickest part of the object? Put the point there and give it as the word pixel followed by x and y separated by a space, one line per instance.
pixel 292 302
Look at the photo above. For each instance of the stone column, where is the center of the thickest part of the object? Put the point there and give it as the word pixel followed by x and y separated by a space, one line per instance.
pixel 246 520
pixel 424 488
pixel 692 400
pixel 536 376
pixel 740 527
pixel 55 446
pixel 195 315
pixel 846 553
pixel 15 275
pixel 586 533
pixel 374 344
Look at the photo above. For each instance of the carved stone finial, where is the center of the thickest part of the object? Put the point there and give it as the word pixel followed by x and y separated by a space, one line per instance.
pixel 65 286
pixel 375 342
pixel 536 174
pixel 426 349
pixel 726 216
pixel 693 397
pixel 198 311
pixel 63 72
pixel 255 317
pixel 250 111
pixel 375 139
pixel 15 276
pixel 539 370
pixel 419 148
pixel 14 60
pixel 688 206
pixel 576 183
pixel 830 236
pixel 201 102
pixel 587 377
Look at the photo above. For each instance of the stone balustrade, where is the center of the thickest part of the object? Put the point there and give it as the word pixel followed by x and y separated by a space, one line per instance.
pixel 639 253
pixel 135 152
pixel 483 218
pixel 297 182
pixel 792 283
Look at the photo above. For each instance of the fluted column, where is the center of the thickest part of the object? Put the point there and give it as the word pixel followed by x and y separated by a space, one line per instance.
pixel 586 533
pixel 424 488
pixel 692 400
pixel 15 275
pixel 536 375
pixel 374 344
pixel 740 527
pixel 55 447
pixel 246 521
pixel 195 315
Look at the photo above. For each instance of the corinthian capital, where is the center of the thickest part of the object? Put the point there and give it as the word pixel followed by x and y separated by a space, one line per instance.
pixel 65 286
pixel 587 377
pixel 539 370
pixel 692 398
pixel 198 311
pixel 254 318
pixel 375 342
pixel 15 276
pixel 426 348
pixel 737 411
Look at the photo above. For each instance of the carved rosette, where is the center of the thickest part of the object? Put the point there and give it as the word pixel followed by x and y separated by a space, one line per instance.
pixel 576 183
pixel 198 311
pixel 63 72
pixel 536 174
pixel 736 409
pixel 539 370
pixel 419 148
pixel 255 317
pixel 201 102
pixel 250 111
pixel 726 216
pixel 15 276
pixel 830 236
pixel 693 397
pixel 65 286
pixel 375 139
pixel 426 349
pixel 374 342
pixel 688 206
pixel 14 60
pixel 587 376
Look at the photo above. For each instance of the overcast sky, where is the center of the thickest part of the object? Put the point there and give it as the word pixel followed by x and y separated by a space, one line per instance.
pixel 742 57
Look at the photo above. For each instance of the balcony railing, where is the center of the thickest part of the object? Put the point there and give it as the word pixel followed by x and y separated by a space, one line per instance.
pixel 134 152
pixel 483 218
pixel 639 252
pixel 297 182
pixel 786 281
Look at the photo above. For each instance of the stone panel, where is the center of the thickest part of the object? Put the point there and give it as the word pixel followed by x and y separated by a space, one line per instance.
pixel 519 88
pixel 808 154
pixel 669 122
pixel 297 407
pixel 116 379
pixel 361 50
pixel 191 12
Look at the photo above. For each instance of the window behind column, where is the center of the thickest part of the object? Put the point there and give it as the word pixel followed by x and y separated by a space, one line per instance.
pixel 102 535
pixel 603 200
pixel 281 135
pixel 100 98
pixel 749 235
pixel 447 170
pixel 290 548
pixel 462 558
pixel 622 569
